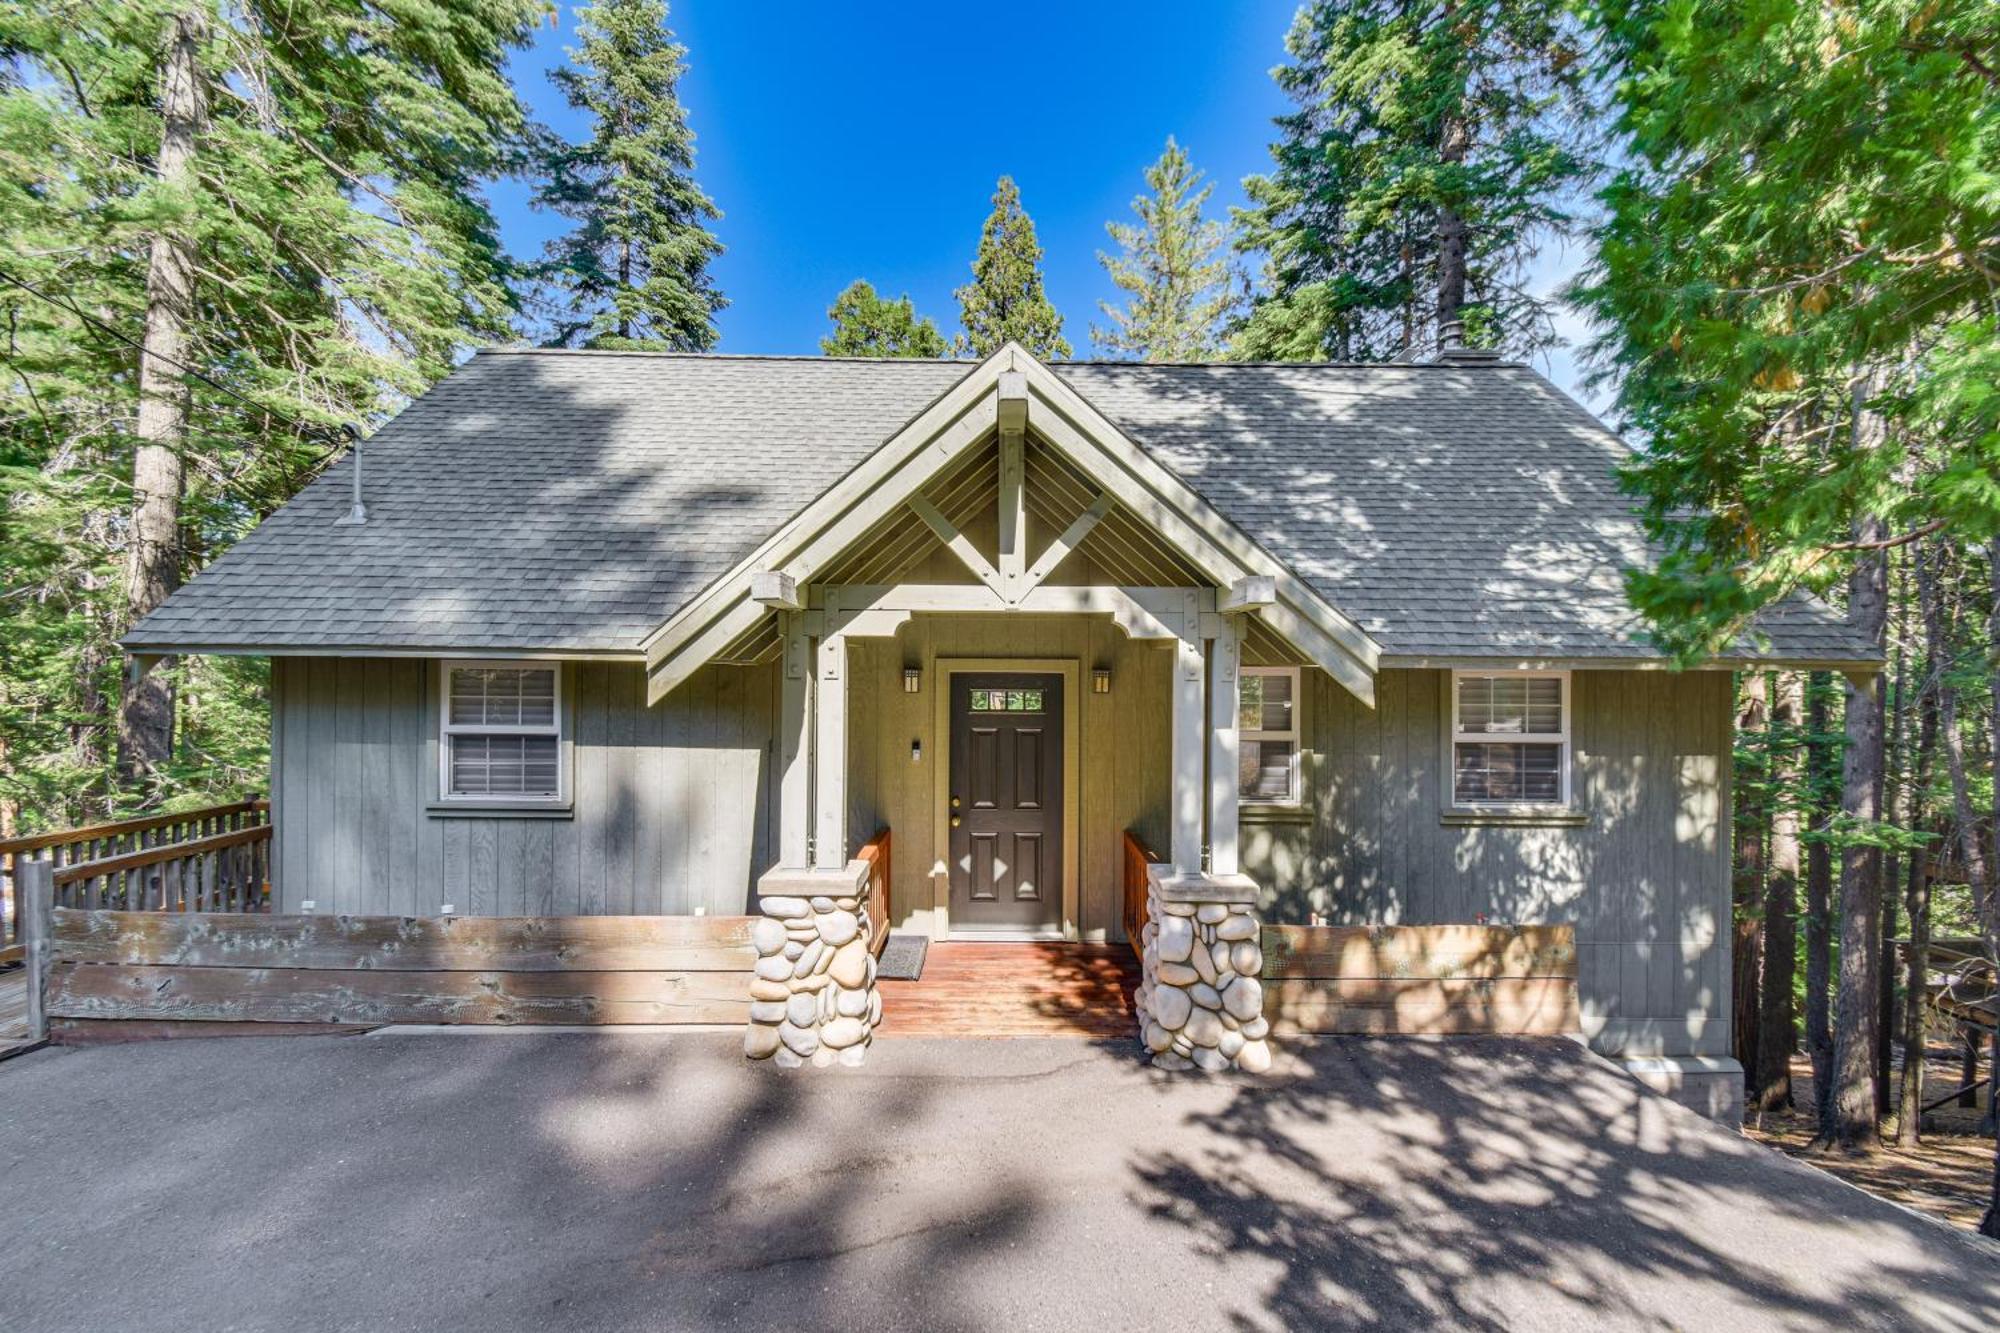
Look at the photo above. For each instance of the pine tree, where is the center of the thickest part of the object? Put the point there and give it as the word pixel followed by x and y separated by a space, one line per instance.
pixel 292 224
pixel 1173 265
pixel 633 271
pixel 1004 300
pixel 865 324
pixel 1434 145
pixel 1802 320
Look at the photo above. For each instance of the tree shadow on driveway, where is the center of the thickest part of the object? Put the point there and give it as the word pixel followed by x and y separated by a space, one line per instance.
pixel 1484 1183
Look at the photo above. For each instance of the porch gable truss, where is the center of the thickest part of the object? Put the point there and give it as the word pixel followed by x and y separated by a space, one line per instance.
pixel 1007 395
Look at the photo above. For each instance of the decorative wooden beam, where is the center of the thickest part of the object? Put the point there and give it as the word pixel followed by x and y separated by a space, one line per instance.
pixel 776 589
pixel 1013 511
pixel 1187 801
pixel 1061 548
pixel 830 755
pixel 961 545
pixel 1248 594
pixel 1140 612
pixel 795 746
pixel 1223 750
pixel 1012 393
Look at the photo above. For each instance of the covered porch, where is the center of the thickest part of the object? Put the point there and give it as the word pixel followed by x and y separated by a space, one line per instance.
pixel 1010 636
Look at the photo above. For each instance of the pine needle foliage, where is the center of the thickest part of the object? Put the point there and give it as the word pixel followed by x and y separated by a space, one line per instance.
pixel 1005 300
pixel 633 270
pixel 1173 266
pixel 345 258
pixel 1434 147
pixel 865 324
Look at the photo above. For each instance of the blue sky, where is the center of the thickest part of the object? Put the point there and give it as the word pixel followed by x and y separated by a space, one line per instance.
pixel 847 141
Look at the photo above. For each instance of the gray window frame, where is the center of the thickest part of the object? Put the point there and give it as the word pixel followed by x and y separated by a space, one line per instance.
pixel 445 799
pixel 1565 761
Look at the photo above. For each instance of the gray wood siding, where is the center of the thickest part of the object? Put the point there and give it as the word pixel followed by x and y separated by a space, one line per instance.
pixel 1645 880
pixel 673 807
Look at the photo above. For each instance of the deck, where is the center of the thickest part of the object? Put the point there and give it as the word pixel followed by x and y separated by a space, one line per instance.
pixel 1015 990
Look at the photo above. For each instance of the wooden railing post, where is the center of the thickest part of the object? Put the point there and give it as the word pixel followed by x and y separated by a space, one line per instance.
pixel 34 899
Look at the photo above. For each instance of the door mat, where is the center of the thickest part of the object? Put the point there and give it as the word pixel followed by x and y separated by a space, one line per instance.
pixel 902 958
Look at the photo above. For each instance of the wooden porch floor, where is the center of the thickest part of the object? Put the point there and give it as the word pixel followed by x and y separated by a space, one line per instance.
pixel 1015 990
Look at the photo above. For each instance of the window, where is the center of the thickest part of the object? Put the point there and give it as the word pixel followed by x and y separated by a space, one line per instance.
pixel 1267 727
pixel 502 733
pixel 1510 738
pixel 1006 701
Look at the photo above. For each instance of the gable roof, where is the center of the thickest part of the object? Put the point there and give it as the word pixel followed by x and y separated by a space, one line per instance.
pixel 573 502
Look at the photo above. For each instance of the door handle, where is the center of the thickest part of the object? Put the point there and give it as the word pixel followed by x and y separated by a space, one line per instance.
pixel 956 821
pixel 954 803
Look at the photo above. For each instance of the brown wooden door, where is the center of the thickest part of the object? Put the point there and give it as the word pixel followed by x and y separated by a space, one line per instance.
pixel 1006 802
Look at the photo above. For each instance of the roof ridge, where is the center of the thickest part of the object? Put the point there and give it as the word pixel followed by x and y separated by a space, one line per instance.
pixel 669 355
pixel 665 354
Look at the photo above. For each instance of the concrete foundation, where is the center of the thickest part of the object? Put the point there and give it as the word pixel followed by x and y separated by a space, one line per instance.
pixel 1705 1084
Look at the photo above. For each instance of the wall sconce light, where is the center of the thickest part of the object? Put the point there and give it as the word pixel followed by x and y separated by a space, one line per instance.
pixel 1100 680
pixel 913 680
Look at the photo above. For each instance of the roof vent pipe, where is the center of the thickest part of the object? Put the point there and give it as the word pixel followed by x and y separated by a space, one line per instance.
pixel 1451 336
pixel 357 513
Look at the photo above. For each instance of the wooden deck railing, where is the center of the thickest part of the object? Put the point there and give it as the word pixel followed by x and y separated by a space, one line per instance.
pixel 216 859
pixel 1137 856
pixel 876 852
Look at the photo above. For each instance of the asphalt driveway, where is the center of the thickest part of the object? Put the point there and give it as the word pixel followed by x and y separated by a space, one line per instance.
pixel 528 1181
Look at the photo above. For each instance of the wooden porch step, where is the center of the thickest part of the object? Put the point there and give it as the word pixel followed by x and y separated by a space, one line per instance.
pixel 976 989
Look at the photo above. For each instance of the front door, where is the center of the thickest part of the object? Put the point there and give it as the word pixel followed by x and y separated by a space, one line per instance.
pixel 1006 802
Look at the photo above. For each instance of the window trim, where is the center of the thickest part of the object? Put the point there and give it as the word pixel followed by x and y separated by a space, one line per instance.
pixel 1296 800
pixel 446 729
pixel 1454 737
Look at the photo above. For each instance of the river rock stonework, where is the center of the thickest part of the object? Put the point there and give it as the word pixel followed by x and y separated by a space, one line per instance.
pixel 1201 1000
pixel 812 995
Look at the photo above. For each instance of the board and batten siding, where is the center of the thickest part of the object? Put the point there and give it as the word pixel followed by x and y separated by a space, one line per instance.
pixel 1124 740
pixel 1644 877
pixel 673 806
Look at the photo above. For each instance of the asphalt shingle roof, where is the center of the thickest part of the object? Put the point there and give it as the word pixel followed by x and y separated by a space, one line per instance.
pixel 574 501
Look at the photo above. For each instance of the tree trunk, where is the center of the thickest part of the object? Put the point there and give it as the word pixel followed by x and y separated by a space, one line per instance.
pixel 1989 1225
pixel 1753 746
pixel 152 567
pixel 1854 1127
pixel 1819 898
pixel 1917 903
pixel 1889 798
pixel 1453 235
pixel 1777 1024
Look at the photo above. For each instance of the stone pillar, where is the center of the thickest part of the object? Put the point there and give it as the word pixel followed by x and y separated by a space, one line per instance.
pixel 1201 999
pixel 813 997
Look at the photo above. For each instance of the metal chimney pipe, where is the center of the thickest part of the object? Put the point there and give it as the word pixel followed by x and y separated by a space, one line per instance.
pixel 357 512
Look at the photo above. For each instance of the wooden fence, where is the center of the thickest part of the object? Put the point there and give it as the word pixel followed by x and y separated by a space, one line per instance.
pixel 127 968
pixel 215 859
pixel 1421 979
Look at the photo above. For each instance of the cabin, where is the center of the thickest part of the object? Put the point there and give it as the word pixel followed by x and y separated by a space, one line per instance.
pixel 1309 689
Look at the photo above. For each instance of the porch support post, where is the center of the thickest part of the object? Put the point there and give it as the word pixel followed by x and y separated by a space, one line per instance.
pixel 1201 994
pixel 1184 841
pixel 795 746
pixel 812 995
pixel 1222 747
pixel 830 754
